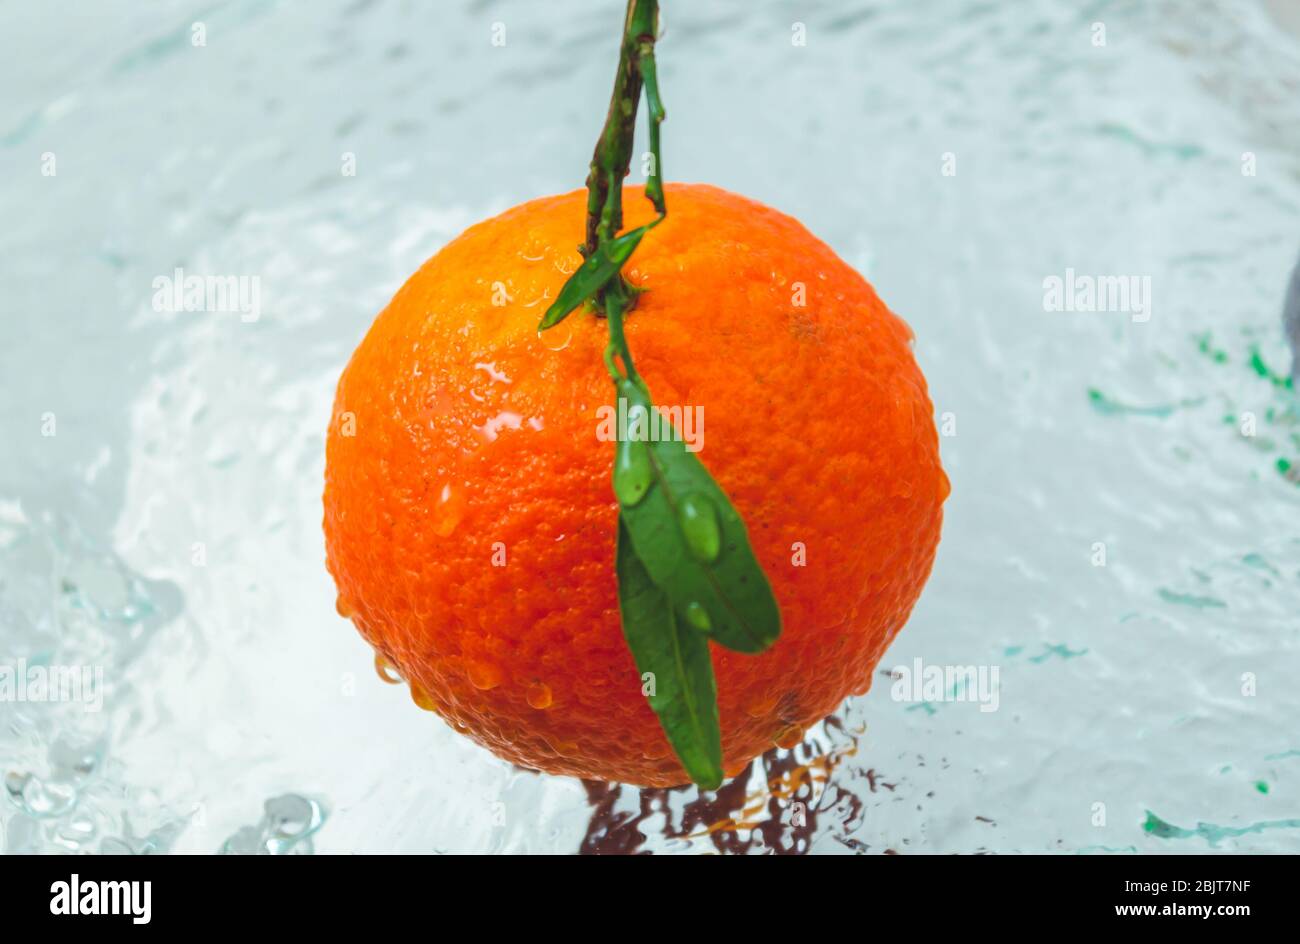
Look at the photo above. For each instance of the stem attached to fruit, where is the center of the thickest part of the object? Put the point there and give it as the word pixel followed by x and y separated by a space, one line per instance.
pixel 610 163
pixel 613 153
pixel 677 586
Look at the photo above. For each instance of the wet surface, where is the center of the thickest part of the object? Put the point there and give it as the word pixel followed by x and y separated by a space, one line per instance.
pixel 1120 542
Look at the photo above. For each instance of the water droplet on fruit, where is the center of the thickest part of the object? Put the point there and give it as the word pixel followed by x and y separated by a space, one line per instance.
pixel 761 709
pixel 945 487
pixel 699 520
pixel 449 511
pixel 490 368
pixel 539 696
pixel 492 427
pixel 788 737
pixel 342 607
pixel 483 675
pixel 422 699
pixel 557 338
pixel 633 473
pixel 698 617
pixel 386 670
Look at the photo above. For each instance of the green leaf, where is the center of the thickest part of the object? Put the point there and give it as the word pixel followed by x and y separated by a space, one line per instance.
pixel 685 698
pixel 593 275
pixel 688 535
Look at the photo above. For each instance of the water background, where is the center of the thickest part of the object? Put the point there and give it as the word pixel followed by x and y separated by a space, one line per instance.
pixel 168 532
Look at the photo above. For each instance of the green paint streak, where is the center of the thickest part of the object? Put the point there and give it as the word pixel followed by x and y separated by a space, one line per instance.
pixel 1205 344
pixel 1262 369
pixel 1123 133
pixel 1058 649
pixel 1257 363
pixel 1188 599
pixel 1107 406
pixel 168 44
pixel 1287 469
pixel 1210 832
pixel 1259 561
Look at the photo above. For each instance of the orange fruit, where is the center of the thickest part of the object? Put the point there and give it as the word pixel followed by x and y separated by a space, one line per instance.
pixel 469 518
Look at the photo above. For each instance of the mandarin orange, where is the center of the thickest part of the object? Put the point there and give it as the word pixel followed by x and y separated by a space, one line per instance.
pixel 469 519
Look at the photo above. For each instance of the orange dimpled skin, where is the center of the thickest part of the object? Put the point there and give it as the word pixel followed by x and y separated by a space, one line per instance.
pixel 469 518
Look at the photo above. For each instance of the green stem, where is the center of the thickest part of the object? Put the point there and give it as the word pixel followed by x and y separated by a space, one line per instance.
pixel 654 186
pixel 617 349
pixel 613 154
